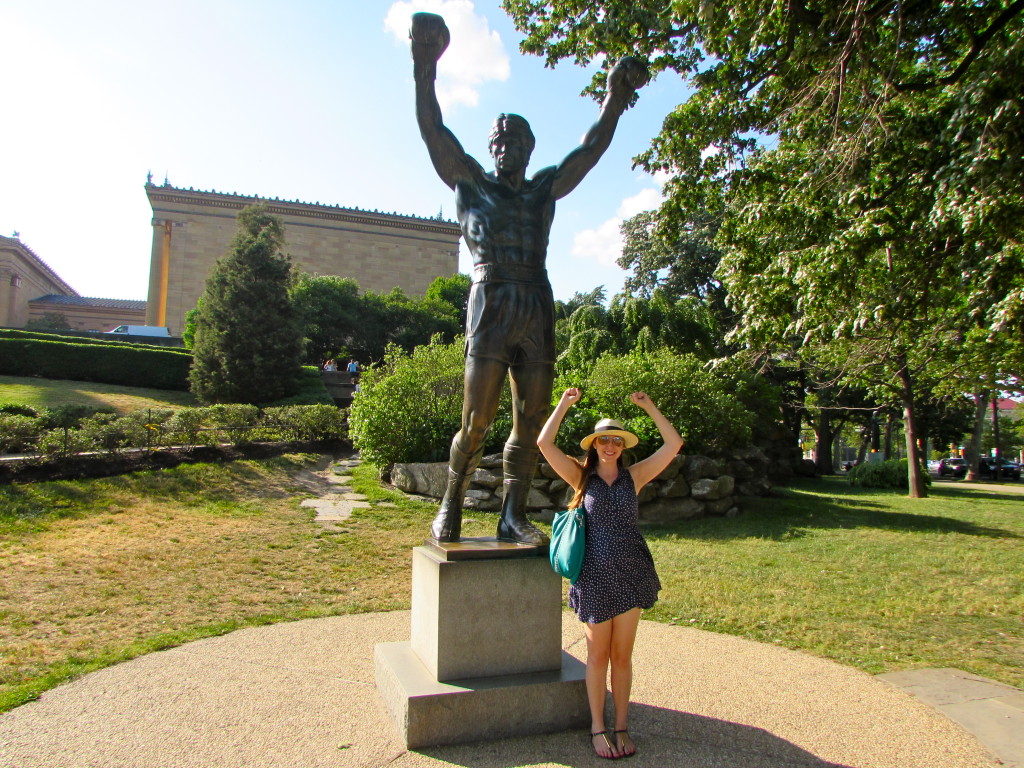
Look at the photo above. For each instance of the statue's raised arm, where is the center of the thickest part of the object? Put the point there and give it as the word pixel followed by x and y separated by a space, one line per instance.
pixel 628 75
pixel 430 38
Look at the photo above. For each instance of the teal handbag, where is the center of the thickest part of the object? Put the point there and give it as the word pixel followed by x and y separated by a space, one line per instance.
pixel 568 543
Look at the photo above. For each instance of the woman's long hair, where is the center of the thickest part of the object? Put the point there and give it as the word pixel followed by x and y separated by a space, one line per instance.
pixel 588 465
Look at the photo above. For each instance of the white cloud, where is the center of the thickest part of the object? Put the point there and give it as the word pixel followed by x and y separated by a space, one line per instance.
pixel 644 200
pixel 475 56
pixel 604 244
pixel 662 177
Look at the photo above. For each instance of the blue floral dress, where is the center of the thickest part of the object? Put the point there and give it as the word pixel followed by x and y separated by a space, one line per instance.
pixel 618 571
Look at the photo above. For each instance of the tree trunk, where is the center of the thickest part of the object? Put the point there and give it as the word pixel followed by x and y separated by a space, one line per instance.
pixel 915 476
pixel 837 452
pixel 823 443
pixel 995 436
pixel 973 451
pixel 888 436
pixel 862 451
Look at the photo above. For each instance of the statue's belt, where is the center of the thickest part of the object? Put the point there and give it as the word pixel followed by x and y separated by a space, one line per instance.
pixel 510 273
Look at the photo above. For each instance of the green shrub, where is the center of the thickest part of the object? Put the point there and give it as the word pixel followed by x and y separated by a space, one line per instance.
pixel 187 428
pixel 237 423
pixel 410 406
pixel 309 422
pixel 883 474
pixel 17 432
pixel 702 406
pixel 18 409
pixel 63 442
pixel 65 431
pixel 70 416
pixel 114 434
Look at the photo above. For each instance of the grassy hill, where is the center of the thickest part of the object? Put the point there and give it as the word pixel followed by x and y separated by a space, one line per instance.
pixel 49 393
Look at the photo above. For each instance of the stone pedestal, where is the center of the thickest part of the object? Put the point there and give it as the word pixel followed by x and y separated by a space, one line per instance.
pixel 485 657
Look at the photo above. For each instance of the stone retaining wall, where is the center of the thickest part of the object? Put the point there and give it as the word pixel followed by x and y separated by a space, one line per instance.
pixel 691 486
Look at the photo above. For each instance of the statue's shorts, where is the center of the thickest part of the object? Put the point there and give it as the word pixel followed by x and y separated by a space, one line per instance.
pixel 511 320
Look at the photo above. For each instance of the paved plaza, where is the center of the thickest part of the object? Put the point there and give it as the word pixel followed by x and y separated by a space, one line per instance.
pixel 302 694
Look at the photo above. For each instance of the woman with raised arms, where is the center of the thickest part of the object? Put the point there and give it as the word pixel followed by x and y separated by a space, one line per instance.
pixel 618 578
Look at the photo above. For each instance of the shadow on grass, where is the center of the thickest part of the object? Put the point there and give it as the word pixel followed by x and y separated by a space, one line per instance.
pixel 827 505
pixel 190 484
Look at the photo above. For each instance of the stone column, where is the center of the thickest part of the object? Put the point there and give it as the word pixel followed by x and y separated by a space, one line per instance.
pixel 159 268
pixel 10 303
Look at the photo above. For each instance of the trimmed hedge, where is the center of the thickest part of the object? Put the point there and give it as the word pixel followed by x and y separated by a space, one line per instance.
pixel 82 337
pixel 84 360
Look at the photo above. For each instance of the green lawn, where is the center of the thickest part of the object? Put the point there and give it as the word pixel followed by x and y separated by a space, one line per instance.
pixel 871 579
pixel 49 393
pixel 97 571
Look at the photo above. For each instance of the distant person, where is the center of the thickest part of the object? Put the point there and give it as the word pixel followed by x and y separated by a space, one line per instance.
pixel 330 365
pixel 353 367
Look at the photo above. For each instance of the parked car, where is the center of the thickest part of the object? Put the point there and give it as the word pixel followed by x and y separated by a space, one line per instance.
pixel 1008 470
pixel 142 330
pixel 953 467
pixel 933 466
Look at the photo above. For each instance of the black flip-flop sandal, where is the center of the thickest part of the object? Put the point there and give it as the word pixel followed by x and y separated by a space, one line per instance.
pixel 619 745
pixel 607 743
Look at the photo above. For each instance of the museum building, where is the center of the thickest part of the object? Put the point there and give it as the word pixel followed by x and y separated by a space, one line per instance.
pixel 30 289
pixel 192 229
pixel 380 251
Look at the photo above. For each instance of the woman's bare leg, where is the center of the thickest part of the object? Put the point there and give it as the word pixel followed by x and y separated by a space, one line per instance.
pixel 599 641
pixel 623 635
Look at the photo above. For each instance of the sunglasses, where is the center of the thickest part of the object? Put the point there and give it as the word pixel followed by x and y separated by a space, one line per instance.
pixel 612 439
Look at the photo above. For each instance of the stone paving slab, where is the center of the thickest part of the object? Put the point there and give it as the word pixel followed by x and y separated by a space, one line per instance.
pixel 332 508
pixel 302 695
pixel 992 711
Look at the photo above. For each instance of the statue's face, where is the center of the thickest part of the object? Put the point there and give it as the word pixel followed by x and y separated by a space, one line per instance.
pixel 511 152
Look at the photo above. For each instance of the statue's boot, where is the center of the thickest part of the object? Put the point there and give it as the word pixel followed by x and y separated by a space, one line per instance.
pixel 447 526
pixel 519 465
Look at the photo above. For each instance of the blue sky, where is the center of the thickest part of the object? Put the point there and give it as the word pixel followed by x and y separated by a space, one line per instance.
pixel 311 100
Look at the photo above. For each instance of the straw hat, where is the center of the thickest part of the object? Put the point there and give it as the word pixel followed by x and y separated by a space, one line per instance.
pixel 610 427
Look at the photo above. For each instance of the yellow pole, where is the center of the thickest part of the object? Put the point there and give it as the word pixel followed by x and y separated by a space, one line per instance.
pixel 165 269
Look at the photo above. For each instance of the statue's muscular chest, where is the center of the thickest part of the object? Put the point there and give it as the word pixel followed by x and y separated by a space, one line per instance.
pixel 505 224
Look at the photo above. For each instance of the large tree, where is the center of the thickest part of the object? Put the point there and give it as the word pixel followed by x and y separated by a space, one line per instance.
pixel 328 310
pixel 864 160
pixel 248 346
pixel 451 291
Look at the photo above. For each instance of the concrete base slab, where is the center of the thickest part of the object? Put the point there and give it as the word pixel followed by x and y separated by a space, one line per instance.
pixel 431 713
pixel 992 711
